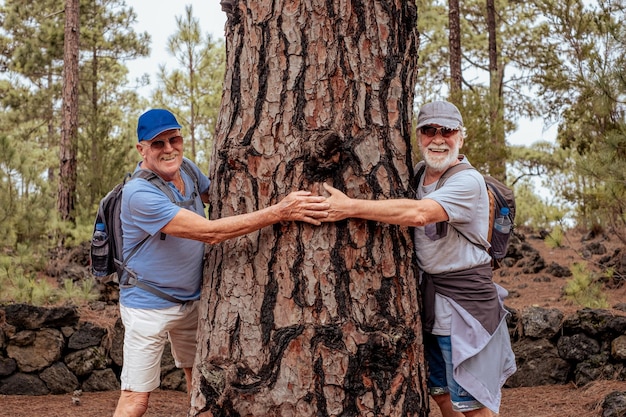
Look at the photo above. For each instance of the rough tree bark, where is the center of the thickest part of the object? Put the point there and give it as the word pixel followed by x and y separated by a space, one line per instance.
pixel 67 156
pixel 299 320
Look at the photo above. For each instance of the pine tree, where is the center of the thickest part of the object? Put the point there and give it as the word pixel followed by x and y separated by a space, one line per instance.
pixel 297 320
pixel 194 88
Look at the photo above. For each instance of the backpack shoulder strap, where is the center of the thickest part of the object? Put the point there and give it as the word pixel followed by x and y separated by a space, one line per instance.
pixel 450 172
pixel 418 170
pixel 153 178
pixel 187 167
pixel 131 279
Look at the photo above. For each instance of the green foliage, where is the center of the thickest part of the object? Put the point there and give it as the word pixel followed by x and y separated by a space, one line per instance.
pixel 535 211
pixel 539 172
pixel 555 238
pixel 585 289
pixel 14 286
pixel 26 195
pixel 21 285
pixel 108 107
pixel 195 89
pixel 432 23
pixel 30 124
pixel 33 35
pixel 27 288
pixel 29 258
pixel 584 84
pixel 76 294
pixel 600 178
pixel 491 101
pixel 21 282
pixel 479 145
pixel 42 293
pixel 564 61
pixel 76 234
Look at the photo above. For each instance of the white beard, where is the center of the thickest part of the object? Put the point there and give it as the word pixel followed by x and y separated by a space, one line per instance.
pixel 440 163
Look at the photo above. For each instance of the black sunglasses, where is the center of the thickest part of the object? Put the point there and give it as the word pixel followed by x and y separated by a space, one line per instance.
pixel 157 145
pixel 432 131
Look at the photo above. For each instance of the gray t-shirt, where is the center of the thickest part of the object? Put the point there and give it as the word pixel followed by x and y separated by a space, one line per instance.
pixel 464 197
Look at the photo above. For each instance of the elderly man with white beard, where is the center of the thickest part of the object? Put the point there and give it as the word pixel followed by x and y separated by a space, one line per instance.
pixel 466 340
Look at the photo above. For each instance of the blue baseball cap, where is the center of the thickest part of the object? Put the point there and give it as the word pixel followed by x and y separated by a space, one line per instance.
pixel 442 113
pixel 154 122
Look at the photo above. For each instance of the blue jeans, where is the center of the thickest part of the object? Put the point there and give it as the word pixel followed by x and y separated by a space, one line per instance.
pixel 438 352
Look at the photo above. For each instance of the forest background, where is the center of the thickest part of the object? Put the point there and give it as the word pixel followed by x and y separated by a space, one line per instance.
pixel 562 62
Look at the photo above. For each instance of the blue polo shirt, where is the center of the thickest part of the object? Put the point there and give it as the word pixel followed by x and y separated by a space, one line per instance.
pixel 173 265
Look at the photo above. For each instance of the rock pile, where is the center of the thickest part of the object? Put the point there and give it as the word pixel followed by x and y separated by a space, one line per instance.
pixel 50 351
pixel 550 349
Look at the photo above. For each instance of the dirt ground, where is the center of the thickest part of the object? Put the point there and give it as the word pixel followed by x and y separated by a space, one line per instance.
pixel 546 401
pixel 527 290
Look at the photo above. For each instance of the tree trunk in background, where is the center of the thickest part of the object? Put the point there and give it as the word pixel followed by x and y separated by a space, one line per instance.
pixel 67 157
pixel 456 75
pixel 299 320
pixel 497 165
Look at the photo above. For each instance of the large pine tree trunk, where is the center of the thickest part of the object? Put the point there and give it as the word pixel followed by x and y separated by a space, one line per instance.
pixel 299 320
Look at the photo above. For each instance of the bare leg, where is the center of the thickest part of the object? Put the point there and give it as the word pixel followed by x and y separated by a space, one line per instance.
pixel 188 380
pixel 481 412
pixel 132 404
pixel 445 405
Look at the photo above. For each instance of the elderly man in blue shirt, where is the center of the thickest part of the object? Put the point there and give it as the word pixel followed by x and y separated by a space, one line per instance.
pixel 171 258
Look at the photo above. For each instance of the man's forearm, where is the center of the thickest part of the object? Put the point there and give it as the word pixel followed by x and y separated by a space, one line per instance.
pixel 403 212
pixel 189 225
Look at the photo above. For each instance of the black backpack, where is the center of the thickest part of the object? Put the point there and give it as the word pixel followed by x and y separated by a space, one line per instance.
pixel 109 214
pixel 500 196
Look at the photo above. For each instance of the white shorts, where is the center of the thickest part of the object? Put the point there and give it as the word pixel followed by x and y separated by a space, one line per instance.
pixel 145 334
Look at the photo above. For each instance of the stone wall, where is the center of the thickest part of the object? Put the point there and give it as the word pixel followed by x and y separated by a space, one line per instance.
pixel 50 350
pixel 552 349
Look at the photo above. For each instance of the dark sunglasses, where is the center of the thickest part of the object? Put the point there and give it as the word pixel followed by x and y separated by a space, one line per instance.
pixel 432 131
pixel 157 145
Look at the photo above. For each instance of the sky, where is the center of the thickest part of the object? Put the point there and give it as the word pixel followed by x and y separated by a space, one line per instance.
pixel 158 18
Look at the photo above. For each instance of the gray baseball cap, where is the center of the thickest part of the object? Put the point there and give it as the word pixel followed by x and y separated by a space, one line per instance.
pixel 442 113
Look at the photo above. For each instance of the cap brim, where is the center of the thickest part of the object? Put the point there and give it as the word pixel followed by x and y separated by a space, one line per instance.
pixel 450 124
pixel 160 130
